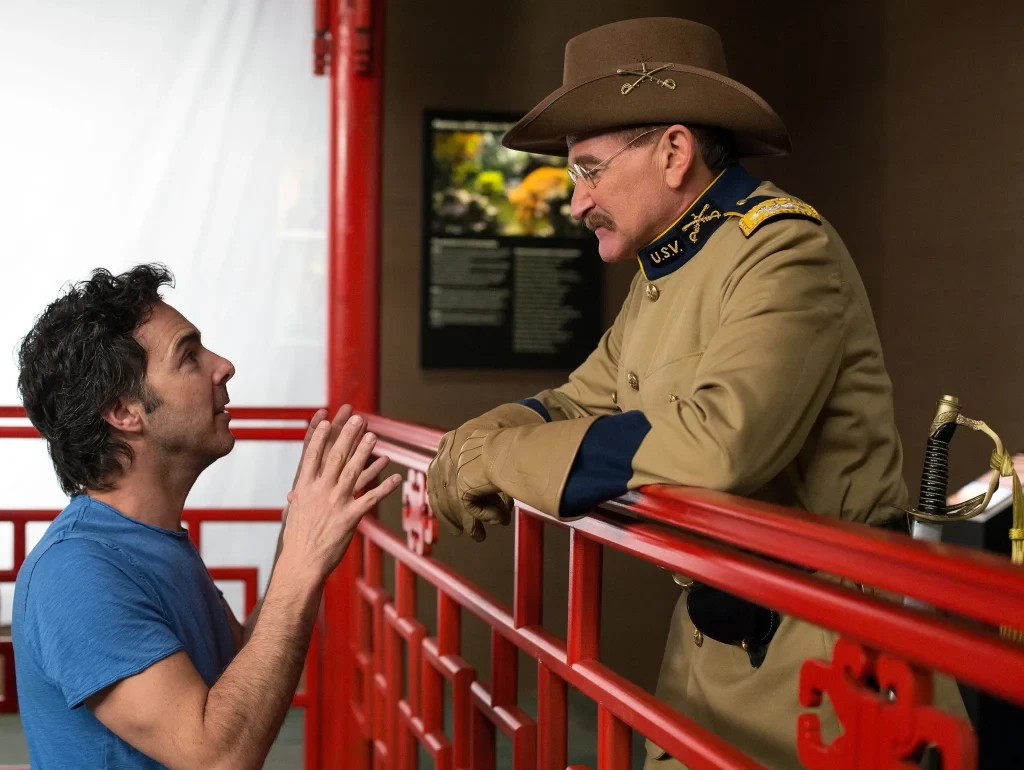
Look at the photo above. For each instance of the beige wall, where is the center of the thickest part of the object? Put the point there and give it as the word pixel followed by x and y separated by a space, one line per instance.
pixel 908 124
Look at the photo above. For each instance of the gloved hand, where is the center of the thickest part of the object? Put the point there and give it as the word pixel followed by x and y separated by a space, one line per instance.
pixel 528 463
pixel 441 475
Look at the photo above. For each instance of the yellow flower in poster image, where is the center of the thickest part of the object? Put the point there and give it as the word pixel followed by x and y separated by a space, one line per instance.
pixel 533 196
pixel 491 183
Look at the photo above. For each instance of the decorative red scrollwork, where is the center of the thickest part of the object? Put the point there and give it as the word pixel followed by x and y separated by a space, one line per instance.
pixel 885 728
pixel 417 519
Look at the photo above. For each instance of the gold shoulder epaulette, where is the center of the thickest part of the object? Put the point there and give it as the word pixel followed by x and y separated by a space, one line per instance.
pixel 776 208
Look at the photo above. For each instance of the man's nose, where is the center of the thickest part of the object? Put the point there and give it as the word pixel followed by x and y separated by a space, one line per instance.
pixel 225 371
pixel 582 203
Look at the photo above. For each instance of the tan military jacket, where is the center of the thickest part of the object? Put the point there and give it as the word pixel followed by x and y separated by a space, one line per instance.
pixel 756 363
pixel 745 359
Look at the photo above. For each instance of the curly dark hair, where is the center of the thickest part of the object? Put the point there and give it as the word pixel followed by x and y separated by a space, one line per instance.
pixel 80 357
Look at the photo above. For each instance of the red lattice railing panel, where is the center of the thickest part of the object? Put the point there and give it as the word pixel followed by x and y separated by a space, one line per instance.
pixel 718 540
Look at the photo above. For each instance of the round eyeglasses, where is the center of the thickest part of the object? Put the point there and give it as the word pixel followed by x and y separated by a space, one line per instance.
pixel 589 175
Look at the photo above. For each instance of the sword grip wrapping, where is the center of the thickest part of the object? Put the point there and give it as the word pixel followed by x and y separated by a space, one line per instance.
pixel 935 475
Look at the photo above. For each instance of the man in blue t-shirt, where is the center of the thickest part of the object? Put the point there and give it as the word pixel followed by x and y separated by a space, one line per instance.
pixel 126 654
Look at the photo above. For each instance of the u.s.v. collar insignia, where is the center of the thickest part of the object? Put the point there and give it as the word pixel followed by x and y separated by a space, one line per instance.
pixel 688 234
pixel 700 218
pixel 646 74
pixel 670 247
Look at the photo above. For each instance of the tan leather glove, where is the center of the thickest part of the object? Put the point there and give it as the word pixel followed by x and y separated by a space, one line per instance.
pixel 530 464
pixel 441 475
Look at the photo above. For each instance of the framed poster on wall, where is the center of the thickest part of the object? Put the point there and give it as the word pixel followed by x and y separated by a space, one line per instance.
pixel 510 280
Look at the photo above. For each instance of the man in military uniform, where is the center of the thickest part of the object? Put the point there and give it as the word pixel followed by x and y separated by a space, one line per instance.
pixel 745 358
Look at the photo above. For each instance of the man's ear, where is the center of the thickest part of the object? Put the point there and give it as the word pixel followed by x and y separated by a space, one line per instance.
pixel 679 153
pixel 125 416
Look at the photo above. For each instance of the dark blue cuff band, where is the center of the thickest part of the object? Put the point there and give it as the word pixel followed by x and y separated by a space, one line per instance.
pixel 604 463
pixel 538 407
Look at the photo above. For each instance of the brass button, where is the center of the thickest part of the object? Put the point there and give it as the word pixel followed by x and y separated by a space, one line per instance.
pixel 745 645
pixel 673 397
pixel 698 637
pixel 615 397
pixel 634 381
pixel 653 292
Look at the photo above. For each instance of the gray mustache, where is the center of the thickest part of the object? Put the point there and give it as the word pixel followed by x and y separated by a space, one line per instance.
pixel 594 222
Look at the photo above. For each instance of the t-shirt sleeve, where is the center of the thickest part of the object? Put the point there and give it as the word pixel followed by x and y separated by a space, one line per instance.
pixel 93 618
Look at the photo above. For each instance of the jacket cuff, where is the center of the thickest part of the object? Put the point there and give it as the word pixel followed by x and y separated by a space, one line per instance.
pixel 538 407
pixel 604 463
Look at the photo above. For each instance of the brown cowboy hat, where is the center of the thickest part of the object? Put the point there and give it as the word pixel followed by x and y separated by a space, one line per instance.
pixel 645 72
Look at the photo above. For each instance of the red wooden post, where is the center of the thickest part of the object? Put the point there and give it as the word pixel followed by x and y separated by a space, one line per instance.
pixel 311 715
pixel 449 642
pixel 613 737
pixel 584 626
pixel 9 689
pixel 449 625
pixel 552 740
pixel 483 742
pixel 529 585
pixel 356 34
pixel 393 682
pixel 504 671
pixel 19 544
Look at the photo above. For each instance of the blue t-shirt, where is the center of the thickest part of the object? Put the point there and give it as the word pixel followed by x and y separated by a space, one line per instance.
pixel 103 597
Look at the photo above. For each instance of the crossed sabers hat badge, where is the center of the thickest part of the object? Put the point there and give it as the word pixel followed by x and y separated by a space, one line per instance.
pixel 646 74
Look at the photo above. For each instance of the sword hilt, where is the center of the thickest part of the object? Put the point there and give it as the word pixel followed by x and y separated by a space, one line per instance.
pixel 931 501
pixel 935 475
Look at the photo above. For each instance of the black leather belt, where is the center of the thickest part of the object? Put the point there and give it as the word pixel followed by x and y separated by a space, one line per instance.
pixel 730 619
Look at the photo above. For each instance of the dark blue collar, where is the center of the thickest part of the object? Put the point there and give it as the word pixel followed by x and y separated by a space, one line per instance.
pixel 688 234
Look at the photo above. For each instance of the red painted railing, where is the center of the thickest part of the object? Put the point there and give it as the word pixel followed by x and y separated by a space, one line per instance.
pixel 193 518
pixel 715 538
pixel 295 414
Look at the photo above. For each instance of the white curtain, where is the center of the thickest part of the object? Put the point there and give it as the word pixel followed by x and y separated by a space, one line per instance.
pixel 186 132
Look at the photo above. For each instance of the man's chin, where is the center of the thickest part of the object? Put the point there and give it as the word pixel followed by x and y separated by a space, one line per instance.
pixel 612 249
pixel 222 448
